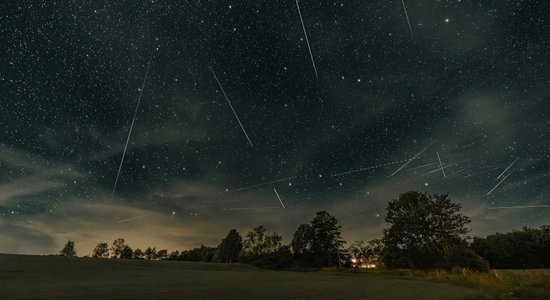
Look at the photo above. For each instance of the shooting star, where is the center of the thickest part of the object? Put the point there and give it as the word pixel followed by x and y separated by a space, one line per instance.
pixel 507 168
pixel 407 16
pixel 265 183
pixel 504 178
pixel 440 164
pixel 438 169
pixel 408 21
pixel 231 106
pixel 414 157
pixel 279 197
pixel 133 121
pixel 491 168
pixel 134 218
pixel 367 168
pixel 307 41
pixel 518 206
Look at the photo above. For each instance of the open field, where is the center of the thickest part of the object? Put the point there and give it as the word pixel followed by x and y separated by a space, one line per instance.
pixel 62 277
pixel 79 278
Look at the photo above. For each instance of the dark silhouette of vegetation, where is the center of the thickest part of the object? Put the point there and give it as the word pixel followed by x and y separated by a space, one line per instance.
pixel 68 249
pixel 363 254
pixel 427 231
pixel 423 232
pixel 121 250
pixel 101 251
pixel 229 249
pixel 150 253
pixel 525 249
pixel 265 249
pixel 138 254
pixel 319 243
pixel 202 254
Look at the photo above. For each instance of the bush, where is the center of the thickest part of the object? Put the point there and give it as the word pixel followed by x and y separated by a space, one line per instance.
pixel 463 257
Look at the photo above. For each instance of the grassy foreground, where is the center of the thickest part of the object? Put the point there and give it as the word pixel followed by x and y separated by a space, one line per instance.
pixel 496 284
pixel 41 277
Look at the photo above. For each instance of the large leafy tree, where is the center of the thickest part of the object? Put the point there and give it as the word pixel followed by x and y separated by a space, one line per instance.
pixel 230 247
pixel 120 249
pixel 68 249
pixel 101 251
pixel 301 241
pixel 327 243
pixel 319 243
pixel 258 242
pixel 524 249
pixel 421 229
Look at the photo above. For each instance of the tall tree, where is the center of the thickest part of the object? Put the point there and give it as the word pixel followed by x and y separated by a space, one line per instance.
pixel 101 251
pixel 319 243
pixel 258 242
pixel 151 253
pixel 138 254
pixel 301 241
pixel 254 242
pixel 119 248
pixel 327 243
pixel 68 249
pixel 230 247
pixel 421 228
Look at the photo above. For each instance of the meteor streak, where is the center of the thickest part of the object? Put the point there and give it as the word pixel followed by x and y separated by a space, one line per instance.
pixel 367 168
pixel 507 168
pixel 279 197
pixel 407 15
pixel 414 157
pixel 132 125
pixel 231 106
pixel 134 218
pixel 500 182
pixel 265 183
pixel 440 164
pixel 307 41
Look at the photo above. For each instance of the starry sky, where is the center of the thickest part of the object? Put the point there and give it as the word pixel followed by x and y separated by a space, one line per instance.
pixel 457 103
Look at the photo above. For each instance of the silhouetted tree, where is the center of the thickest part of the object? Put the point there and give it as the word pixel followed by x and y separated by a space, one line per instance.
pixel 68 249
pixel 258 242
pixel 138 254
pixel 162 254
pixel 119 248
pixel 366 253
pixel 151 253
pixel 525 249
pixel 203 253
pixel 101 251
pixel 320 243
pixel 302 241
pixel 230 247
pixel 174 255
pixel 327 243
pixel 127 252
pixel 421 229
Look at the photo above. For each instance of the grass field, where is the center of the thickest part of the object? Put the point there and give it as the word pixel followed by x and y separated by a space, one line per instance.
pixel 85 278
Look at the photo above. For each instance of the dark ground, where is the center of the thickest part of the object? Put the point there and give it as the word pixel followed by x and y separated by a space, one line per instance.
pixel 56 277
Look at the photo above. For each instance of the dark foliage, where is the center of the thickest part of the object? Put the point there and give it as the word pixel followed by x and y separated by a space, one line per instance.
pixel 230 248
pixel 203 254
pixel 320 243
pixel 68 249
pixel 101 251
pixel 525 249
pixel 119 249
pixel 426 231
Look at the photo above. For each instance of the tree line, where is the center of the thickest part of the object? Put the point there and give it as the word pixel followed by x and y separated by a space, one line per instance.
pixel 424 231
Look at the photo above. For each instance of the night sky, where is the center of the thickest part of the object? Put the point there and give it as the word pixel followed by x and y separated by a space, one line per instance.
pixel 458 103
